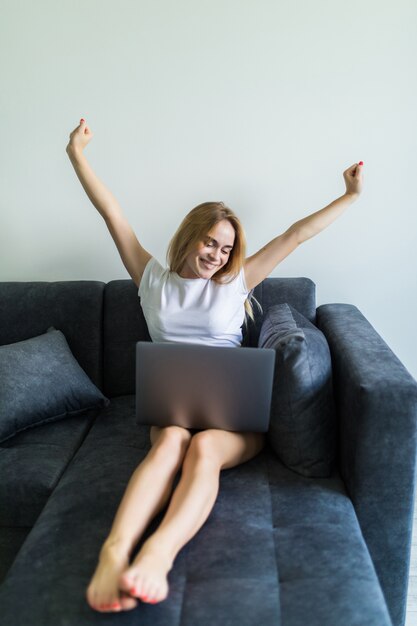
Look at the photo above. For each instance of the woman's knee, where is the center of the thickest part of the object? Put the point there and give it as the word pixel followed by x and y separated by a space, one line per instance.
pixel 172 441
pixel 202 448
pixel 223 449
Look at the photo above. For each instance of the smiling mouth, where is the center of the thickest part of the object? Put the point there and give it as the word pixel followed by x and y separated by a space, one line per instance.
pixel 207 264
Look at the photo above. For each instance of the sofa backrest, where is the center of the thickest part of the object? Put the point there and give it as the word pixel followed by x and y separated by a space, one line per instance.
pixel 124 324
pixel 102 322
pixel 28 309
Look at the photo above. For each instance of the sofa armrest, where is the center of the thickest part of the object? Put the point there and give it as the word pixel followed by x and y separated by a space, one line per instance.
pixel 376 404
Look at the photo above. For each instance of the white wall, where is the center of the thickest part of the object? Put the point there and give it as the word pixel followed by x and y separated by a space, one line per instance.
pixel 262 104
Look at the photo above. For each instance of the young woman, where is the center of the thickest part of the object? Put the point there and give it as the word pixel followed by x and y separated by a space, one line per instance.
pixel 208 273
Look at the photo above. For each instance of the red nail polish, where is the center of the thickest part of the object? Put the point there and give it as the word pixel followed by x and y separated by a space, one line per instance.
pixel 360 162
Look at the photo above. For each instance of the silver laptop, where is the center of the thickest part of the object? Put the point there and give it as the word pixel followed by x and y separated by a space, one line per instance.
pixel 198 386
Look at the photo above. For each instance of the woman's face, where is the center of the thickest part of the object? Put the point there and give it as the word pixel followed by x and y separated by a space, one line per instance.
pixel 215 250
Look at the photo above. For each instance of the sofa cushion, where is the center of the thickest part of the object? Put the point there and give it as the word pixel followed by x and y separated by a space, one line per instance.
pixel 11 540
pixel 276 548
pixel 325 570
pixel 42 382
pixel 300 292
pixel 32 463
pixel 302 426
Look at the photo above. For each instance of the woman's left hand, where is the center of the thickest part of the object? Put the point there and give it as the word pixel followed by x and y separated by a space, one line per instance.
pixel 353 178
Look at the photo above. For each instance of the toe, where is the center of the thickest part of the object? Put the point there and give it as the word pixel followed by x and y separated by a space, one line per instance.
pixel 163 594
pixel 153 593
pixel 109 604
pixel 113 602
pixel 139 590
pixel 127 602
pixel 159 597
pixel 146 592
pixel 134 592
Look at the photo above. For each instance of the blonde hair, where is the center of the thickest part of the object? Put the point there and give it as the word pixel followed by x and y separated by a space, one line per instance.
pixel 194 228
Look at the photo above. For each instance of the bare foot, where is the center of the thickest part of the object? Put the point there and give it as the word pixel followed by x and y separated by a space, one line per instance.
pixel 146 578
pixel 103 593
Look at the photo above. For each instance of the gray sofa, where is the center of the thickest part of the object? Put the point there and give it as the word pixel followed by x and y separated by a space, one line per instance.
pixel 278 549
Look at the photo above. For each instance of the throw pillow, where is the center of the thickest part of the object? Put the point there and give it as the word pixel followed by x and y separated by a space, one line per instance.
pixel 41 381
pixel 302 427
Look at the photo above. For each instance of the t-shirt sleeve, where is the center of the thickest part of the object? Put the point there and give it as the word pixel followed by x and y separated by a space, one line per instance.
pixel 151 273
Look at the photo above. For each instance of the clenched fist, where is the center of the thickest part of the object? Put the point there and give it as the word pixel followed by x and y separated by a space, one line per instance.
pixel 354 178
pixel 80 137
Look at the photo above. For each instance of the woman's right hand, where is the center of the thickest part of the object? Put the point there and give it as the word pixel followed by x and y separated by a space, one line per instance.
pixel 80 137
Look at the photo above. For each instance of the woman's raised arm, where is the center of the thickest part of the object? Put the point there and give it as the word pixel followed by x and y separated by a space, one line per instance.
pixel 133 255
pixel 101 197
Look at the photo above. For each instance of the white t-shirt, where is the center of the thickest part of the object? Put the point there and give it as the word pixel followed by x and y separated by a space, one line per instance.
pixel 192 310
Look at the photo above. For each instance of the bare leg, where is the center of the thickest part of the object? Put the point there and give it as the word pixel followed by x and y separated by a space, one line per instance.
pixel 189 508
pixel 147 494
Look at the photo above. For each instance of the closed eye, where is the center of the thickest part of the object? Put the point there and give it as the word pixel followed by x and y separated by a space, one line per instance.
pixel 210 244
